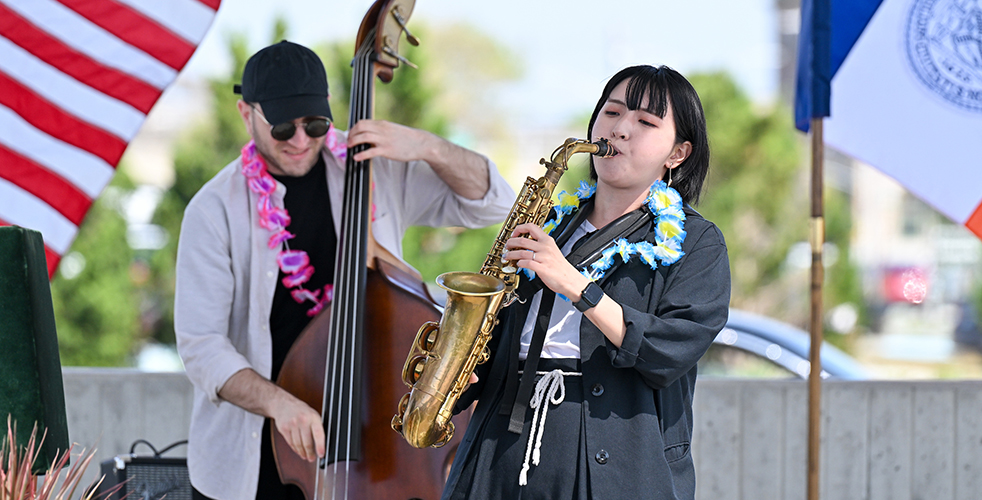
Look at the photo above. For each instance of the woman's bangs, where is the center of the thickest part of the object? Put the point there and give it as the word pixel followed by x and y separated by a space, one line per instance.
pixel 648 85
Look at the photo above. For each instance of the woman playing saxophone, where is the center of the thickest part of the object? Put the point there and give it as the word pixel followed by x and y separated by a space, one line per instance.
pixel 588 392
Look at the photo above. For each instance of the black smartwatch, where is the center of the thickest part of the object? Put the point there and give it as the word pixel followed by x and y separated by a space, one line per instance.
pixel 589 297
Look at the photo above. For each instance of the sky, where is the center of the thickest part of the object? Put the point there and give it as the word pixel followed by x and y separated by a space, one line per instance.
pixel 569 48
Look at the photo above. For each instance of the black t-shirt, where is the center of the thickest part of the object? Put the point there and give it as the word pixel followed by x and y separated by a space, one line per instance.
pixel 311 222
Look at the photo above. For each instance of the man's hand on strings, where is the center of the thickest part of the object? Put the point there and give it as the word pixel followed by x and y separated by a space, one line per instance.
pixel 464 171
pixel 302 428
pixel 392 141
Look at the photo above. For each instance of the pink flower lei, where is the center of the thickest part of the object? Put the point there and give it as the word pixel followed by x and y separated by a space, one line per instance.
pixel 294 263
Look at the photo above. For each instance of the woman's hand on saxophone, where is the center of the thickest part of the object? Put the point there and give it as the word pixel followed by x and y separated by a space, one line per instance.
pixel 531 248
pixel 471 381
pixel 536 251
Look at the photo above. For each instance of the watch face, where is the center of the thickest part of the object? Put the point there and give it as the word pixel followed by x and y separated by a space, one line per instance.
pixel 592 294
pixel 590 297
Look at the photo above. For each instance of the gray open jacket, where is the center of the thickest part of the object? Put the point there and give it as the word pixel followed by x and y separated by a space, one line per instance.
pixel 642 418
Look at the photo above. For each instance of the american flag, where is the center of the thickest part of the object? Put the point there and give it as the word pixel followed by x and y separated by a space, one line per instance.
pixel 77 79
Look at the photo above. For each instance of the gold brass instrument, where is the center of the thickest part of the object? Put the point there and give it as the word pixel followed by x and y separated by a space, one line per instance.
pixel 444 355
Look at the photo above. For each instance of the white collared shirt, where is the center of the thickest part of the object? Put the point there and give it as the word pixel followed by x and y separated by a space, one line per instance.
pixel 563 336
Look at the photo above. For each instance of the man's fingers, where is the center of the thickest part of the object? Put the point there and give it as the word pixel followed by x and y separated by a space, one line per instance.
pixel 319 438
pixel 296 443
pixel 307 442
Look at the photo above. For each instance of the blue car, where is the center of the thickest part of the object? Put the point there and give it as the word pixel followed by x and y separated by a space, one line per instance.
pixel 757 346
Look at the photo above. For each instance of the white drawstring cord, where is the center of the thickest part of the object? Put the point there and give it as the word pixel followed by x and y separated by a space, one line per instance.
pixel 551 388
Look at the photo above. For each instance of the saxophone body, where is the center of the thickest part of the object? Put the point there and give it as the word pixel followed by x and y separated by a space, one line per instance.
pixel 444 354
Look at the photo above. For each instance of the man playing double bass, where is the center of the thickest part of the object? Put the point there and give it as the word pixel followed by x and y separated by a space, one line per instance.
pixel 257 253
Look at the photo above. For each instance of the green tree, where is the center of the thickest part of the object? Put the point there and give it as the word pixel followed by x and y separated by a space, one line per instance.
pixel 95 301
pixel 750 193
pixel 757 193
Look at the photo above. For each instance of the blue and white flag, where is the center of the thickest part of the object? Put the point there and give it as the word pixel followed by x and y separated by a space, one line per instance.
pixel 906 93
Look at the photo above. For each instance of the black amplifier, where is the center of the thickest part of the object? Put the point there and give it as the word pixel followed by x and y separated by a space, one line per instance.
pixel 145 477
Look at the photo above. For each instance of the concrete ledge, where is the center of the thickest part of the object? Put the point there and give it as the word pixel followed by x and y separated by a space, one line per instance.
pixel 881 440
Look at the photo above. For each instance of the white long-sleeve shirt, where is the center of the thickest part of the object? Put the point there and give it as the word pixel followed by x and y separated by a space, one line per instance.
pixel 226 278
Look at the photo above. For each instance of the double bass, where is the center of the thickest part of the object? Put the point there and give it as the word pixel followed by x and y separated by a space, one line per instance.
pixel 348 361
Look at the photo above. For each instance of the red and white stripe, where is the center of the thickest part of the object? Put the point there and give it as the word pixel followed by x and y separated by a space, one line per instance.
pixel 77 79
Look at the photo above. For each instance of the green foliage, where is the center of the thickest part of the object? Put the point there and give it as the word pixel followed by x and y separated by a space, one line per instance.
pixel 843 283
pixel 756 193
pixel 97 311
pixel 433 251
pixel 750 193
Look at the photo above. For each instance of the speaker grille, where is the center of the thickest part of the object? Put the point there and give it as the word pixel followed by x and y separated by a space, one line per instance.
pixel 145 478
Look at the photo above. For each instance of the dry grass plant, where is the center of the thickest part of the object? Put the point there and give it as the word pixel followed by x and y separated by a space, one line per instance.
pixel 18 482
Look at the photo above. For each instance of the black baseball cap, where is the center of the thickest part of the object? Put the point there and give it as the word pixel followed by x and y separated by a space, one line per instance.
pixel 288 80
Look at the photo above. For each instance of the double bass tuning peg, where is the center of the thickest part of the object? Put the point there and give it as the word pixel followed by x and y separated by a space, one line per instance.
pixel 402 24
pixel 390 51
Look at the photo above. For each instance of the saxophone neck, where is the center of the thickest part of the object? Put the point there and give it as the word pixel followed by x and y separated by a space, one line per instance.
pixel 601 148
pixel 557 165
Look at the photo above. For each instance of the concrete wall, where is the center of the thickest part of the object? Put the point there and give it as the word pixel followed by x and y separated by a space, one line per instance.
pixel 880 440
pixel 109 409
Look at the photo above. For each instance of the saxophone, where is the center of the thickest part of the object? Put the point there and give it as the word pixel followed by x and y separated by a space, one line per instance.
pixel 444 355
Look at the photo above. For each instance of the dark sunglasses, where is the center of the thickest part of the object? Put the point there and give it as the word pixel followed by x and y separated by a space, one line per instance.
pixel 315 127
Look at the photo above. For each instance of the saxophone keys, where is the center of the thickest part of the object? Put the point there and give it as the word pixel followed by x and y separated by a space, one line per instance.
pixel 446 436
pixel 427 335
pixel 397 418
pixel 413 369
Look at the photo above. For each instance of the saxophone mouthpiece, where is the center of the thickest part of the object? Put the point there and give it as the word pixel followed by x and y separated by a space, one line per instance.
pixel 604 149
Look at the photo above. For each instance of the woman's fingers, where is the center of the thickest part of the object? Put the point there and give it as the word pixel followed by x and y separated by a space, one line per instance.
pixel 533 231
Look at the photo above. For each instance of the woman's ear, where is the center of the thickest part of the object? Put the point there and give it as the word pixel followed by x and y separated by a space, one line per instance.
pixel 679 154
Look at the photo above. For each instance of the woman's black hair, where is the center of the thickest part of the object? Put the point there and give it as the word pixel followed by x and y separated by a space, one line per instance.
pixel 656 84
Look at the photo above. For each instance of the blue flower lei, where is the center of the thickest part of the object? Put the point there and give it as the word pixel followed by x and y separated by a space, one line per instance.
pixel 666 205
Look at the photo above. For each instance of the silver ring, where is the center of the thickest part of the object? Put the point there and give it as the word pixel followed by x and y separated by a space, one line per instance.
pixel 533 254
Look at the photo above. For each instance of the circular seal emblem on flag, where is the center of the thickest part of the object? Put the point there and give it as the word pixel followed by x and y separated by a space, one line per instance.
pixel 944 47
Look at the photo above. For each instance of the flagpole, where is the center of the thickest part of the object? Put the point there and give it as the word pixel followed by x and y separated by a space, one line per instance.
pixel 817 238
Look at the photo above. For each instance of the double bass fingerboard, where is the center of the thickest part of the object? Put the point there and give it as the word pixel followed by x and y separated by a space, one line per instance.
pixel 345 360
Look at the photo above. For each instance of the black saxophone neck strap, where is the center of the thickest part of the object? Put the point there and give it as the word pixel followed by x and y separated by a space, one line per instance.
pixel 585 251
pixel 590 247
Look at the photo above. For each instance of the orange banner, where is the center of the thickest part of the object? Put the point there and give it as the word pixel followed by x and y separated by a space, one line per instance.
pixel 974 223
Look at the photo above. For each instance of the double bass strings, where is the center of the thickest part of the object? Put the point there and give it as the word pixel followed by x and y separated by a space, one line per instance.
pixel 346 317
